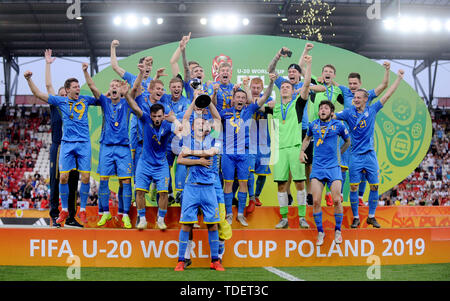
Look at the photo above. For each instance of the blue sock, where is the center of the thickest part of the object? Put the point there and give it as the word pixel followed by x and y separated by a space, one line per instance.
pixel 354 203
pixel 373 202
pixel 141 212
pixel 84 194
pixel 344 175
pixel 318 221
pixel 120 198
pixel 162 212
pixel 183 240
pixel 213 238
pixel 228 198
pixel 64 194
pixel 260 181
pixel 362 188
pixel 103 196
pixel 127 195
pixel 242 200
pixel 251 184
pixel 221 247
pixel 338 218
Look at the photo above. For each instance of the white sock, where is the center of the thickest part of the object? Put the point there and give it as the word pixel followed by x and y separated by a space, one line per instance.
pixel 84 209
pixel 283 199
pixel 187 254
pixel 301 197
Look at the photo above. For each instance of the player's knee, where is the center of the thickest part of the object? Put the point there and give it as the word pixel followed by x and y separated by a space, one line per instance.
pixel 85 177
pixel 300 185
pixel 64 178
pixel 374 187
pixel 124 181
pixel 354 188
pixel 212 227
pixel 104 178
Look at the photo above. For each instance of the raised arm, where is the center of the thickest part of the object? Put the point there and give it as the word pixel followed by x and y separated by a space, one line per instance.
pixel 114 64
pixel 176 55
pixel 48 75
pixel 393 87
pixel 262 100
pixel 136 89
pixel 384 84
pixel 304 92
pixel 36 92
pixel 130 100
pixel 276 58
pixel 301 61
pixel 216 117
pixel 90 82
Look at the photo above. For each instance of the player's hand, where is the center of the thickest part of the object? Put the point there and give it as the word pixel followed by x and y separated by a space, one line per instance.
pixel 387 65
pixel 303 157
pixel 401 73
pixel 273 76
pixel 48 56
pixel 319 79
pixel 308 59
pixel 170 117
pixel 84 66
pixel 246 81
pixel 115 44
pixel 28 75
pixel 205 162
pixel 309 46
pixel 141 67
pixel 271 104
pixel 124 88
pixel 283 49
pixel 236 87
pixel 148 61
pixel 160 72
pixel 216 87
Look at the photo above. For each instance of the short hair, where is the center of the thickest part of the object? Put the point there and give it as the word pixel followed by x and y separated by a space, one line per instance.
pixel 193 63
pixel 61 88
pixel 224 64
pixel 176 80
pixel 69 82
pixel 355 75
pixel 154 82
pixel 198 66
pixel 288 82
pixel 364 91
pixel 257 81
pixel 156 107
pixel 327 103
pixel 116 80
pixel 240 90
pixel 142 59
pixel 329 66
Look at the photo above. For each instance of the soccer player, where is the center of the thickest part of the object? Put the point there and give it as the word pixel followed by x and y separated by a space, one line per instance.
pixel 326 170
pixel 360 119
pixel 153 164
pixel 288 115
pixel 260 162
pixel 236 147
pixel 354 83
pixel 74 175
pixel 222 91
pixel 75 152
pixel 115 156
pixel 295 73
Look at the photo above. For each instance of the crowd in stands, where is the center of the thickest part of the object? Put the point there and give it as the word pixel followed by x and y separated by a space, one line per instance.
pixel 428 184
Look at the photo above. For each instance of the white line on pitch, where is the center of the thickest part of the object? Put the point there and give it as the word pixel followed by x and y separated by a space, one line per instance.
pixel 282 274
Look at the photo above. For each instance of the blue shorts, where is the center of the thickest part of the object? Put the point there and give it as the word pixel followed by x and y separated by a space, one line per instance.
pixel 147 173
pixel 115 160
pixel 199 196
pixel 235 163
pixel 137 155
pixel 262 164
pixel 251 163
pixel 75 155
pixel 180 177
pixel 360 163
pixel 326 175
pixel 219 191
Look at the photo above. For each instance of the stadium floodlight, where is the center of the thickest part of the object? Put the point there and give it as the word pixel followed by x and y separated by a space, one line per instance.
pixel 284 19
pixel 405 24
pixel 131 21
pixel 117 20
pixel 389 23
pixel 203 21
pixel 159 21
pixel 435 25
pixel 447 25
pixel 245 21
pixel 145 21
pixel 420 25
pixel 231 22
pixel 218 21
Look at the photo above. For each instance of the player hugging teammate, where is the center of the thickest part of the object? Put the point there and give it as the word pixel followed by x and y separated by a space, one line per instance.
pixel 217 133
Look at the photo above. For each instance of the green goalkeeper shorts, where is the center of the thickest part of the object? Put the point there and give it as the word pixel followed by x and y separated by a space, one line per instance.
pixel 289 160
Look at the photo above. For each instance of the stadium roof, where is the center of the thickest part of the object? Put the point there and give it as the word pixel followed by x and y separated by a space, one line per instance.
pixel 28 27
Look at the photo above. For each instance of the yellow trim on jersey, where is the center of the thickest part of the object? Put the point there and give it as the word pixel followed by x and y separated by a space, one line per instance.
pixel 67 171
pixel 159 191
pixel 344 166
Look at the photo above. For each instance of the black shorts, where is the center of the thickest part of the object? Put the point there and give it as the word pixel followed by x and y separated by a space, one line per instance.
pixel 309 149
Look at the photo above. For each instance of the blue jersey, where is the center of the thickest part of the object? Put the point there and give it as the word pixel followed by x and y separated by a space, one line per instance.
pixel 135 134
pixel 348 96
pixel 155 140
pixel 74 116
pixel 116 119
pixel 361 126
pixel 305 120
pixel 199 173
pixel 131 78
pixel 143 101
pixel 236 130
pixel 326 145
pixel 224 95
pixel 178 106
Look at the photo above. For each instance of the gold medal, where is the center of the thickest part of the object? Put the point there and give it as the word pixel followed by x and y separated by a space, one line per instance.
pixel 284 121
pixel 116 124
pixel 71 116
